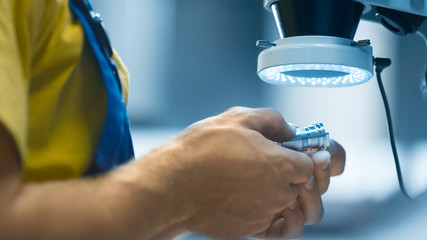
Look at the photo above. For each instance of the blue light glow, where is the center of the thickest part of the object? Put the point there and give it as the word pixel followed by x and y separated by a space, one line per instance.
pixel 315 75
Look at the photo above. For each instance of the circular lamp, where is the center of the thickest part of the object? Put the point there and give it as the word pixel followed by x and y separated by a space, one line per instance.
pixel 316 47
pixel 316 61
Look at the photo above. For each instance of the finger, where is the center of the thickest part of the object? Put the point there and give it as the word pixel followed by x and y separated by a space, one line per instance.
pixel 297 166
pixel 266 121
pixel 311 204
pixel 337 158
pixel 290 226
pixel 322 171
pixel 170 233
pixel 264 234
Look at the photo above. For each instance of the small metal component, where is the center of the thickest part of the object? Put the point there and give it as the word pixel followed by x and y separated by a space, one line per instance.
pixel 264 44
pixel 361 43
pixel 312 137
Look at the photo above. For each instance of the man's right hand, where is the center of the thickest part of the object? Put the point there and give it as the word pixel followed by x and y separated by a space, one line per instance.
pixel 234 175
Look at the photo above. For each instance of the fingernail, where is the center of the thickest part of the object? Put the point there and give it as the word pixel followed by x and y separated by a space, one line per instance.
pixel 322 158
pixel 293 206
pixel 310 185
pixel 293 127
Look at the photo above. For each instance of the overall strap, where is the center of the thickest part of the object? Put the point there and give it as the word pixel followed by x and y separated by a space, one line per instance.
pixel 115 146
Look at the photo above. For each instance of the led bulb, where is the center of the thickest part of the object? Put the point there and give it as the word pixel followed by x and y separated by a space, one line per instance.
pixel 315 75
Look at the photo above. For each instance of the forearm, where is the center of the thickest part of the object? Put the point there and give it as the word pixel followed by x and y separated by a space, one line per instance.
pixel 132 202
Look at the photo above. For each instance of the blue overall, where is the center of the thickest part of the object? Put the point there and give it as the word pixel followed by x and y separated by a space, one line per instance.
pixel 115 146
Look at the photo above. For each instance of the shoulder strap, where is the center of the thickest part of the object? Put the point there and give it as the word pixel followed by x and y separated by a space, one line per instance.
pixel 115 146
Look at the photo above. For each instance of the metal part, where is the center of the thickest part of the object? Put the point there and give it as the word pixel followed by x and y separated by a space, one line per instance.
pixel 313 17
pixel 418 7
pixel 264 44
pixel 276 13
pixel 312 137
pixel 362 43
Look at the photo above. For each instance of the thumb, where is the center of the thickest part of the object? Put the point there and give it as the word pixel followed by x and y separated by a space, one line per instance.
pixel 266 121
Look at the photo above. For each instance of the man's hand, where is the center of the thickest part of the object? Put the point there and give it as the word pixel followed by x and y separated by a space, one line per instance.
pixel 241 184
pixel 235 175
pixel 308 209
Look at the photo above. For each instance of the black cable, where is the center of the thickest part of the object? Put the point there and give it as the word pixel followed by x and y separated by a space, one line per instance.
pixel 380 65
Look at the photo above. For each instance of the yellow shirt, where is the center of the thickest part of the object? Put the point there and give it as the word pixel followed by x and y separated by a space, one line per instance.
pixel 52 95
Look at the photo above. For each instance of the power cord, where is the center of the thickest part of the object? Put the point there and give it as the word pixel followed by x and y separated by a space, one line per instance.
pixel 380 65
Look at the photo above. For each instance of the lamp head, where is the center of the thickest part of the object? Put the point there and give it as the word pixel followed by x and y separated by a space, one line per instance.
pixel 316 46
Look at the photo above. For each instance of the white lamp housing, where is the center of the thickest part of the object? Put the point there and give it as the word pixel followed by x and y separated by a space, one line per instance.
pixel 316 61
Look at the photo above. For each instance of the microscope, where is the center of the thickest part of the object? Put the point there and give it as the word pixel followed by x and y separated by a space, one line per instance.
pixel 316 49
pixel 316 46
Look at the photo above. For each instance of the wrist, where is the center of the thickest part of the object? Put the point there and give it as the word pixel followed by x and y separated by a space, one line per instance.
pixel 157 183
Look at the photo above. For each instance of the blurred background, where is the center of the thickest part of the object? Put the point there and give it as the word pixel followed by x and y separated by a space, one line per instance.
pixel 191 59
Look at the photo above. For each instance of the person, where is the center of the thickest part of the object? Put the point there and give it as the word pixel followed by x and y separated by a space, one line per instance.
pixel 224 177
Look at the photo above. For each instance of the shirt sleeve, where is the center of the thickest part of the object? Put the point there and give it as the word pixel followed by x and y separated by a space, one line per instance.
pixel 14 73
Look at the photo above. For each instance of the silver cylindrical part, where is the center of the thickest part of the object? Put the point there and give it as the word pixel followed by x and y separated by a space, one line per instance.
pixel 312 137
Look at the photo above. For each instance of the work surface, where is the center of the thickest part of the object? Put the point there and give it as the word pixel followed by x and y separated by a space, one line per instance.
pixel 362 203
